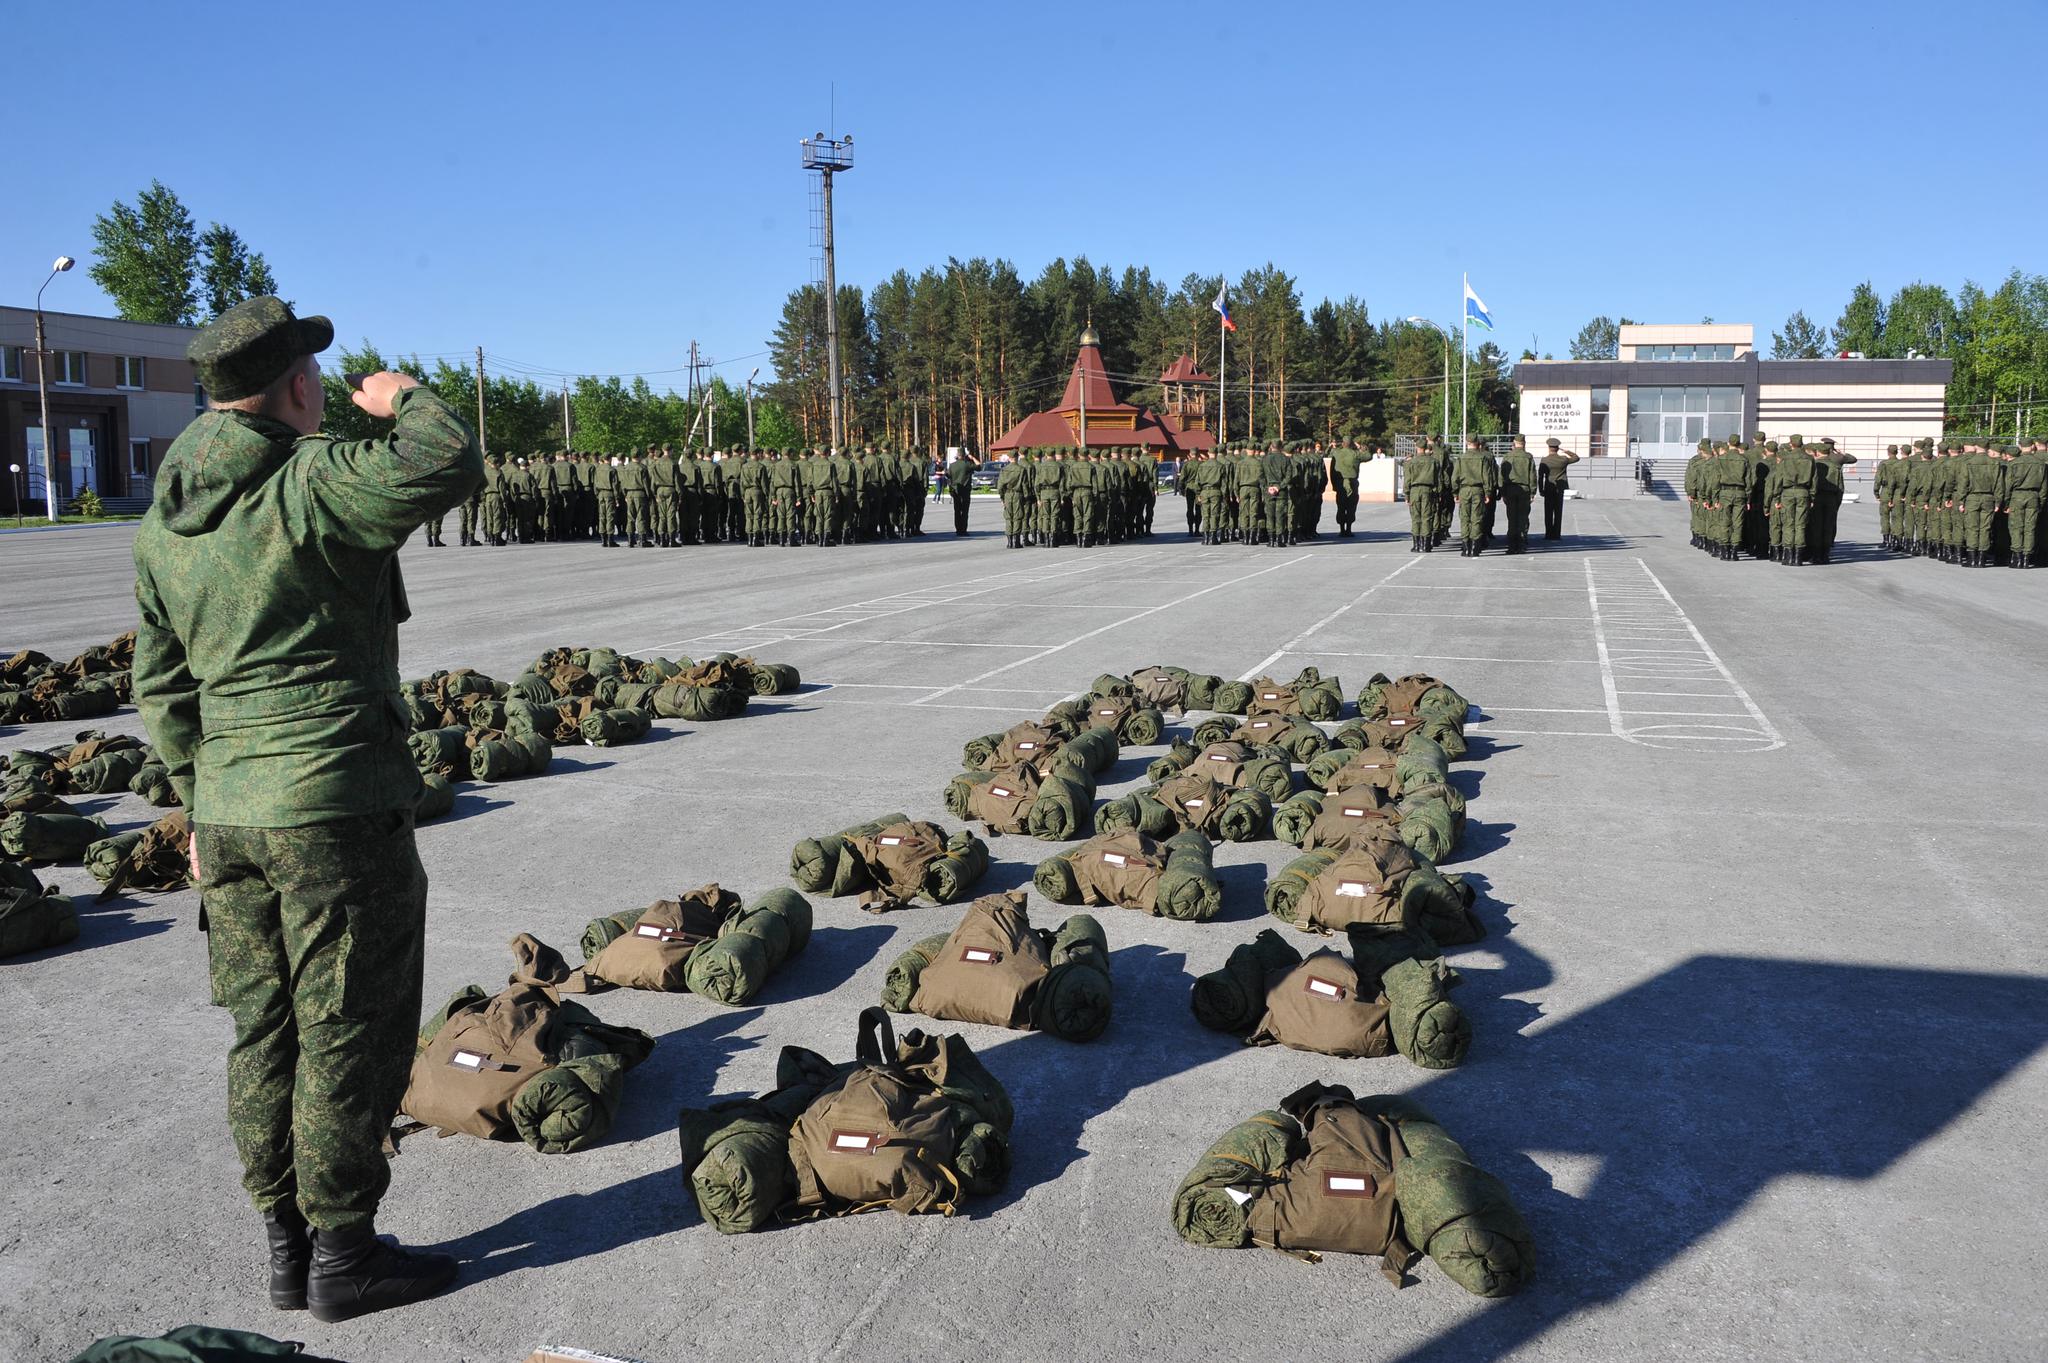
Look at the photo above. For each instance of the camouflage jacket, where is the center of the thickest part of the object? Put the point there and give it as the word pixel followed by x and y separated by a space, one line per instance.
pixel 266 664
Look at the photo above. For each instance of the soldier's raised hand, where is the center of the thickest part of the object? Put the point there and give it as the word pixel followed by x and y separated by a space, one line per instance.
pixel 379 389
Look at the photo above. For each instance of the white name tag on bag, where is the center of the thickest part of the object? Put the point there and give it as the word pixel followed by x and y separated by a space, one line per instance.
pixel 1193 804
pixel 1114 858
pixel 1026 747
pixel 468 1060
pixel 1323 988
pixel 892 842
pixel 1353 812
pixel 1001 791
pixel 1355 889
pixel 856 1142
pixel 979 956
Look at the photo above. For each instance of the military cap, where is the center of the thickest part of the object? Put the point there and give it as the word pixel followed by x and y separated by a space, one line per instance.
pixel 1705 443
pixel 251 345
pixel 1891 449
pixel 1552 442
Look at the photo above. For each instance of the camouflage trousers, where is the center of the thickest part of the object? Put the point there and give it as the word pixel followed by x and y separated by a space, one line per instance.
pixel 314 937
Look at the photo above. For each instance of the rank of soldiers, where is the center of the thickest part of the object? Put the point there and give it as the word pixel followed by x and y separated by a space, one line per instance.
pixel 1964 500
pixel 663 499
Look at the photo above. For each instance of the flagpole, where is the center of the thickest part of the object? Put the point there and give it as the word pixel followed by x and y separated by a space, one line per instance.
pixel 1464 349
pixel 1222 398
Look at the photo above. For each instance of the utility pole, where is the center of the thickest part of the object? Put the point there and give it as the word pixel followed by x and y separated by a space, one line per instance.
pixel 566 432
pixel 481 444
pixel 828 156
pixel 750 407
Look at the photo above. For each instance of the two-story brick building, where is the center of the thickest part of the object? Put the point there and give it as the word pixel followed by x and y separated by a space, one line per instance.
pixel 120 392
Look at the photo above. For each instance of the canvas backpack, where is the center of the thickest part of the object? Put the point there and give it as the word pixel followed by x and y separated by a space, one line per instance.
pixel 1196 799
pixel 990 968
pixel 1337 1195
pixel 1364 885
pixel 1004 801
pixel 896 858
pixel 915 1125
pixel 1121 869
pixel 1321 1005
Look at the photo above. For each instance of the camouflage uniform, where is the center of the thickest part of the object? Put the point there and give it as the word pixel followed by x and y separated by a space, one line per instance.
pixel 285 736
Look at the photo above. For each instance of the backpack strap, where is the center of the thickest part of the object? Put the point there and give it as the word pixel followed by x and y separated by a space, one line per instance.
pixel 876 1044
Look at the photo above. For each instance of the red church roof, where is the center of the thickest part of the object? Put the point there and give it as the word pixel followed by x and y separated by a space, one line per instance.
pixel 1183 370
pixel 1111 424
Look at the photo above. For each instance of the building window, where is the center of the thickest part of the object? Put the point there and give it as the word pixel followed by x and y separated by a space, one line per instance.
pixel 128 371
pixel 1678 418
pixel 1685 352
pixel 138 458
pixel 70 367
pixel 198 396
pixel 10 362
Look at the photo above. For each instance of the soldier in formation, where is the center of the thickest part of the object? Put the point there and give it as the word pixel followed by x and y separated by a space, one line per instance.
pixel 1765 499
pixel 1965 500
pixel 1085 498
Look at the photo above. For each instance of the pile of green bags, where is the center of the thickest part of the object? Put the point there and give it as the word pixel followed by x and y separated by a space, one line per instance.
pixel 1291 735
pixel 34 688
pixel 1055 805
pixel 743 946
pixel 1310 695
pixel 32 917
pixel 890 860
pixel 1171 879
pixel 50 838
pixel 750 1162
pixel 1265 769
pixel 1437 709
pixel 1264 1182
pixel 1392 997
pixel 1409 892
pixel 1192 800
pixel 153 858
pixel 1000 971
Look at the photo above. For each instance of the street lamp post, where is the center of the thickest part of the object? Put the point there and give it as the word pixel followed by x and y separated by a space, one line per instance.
pixel 14 485
pixel 1424 321
pixel 43 392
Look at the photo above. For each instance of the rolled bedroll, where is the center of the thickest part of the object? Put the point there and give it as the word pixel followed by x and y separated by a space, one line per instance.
pixel 1232 998
pixel 1030 743
pixel 1284 890
pixel 1300 741
pixel 106 772
pixel 1064 808
pixel 735 1162
pixel 1092 751
pixel 437 798
pixel 1397 733
pixel 510 757
pixel 818 863
pixel 1231 697
pixel 1074 1000
pixel 899 986
pixel 1188 888
pixel 774 679
pixel 1462 1217
pixel 634 696
pixel 1174 761
pixel 949 879
pixel 1202 690
pixel 531 688
pixel 1294 816
pixel 153 783
pixel 734 966
pixel 679 699
pixel 652 672
pixel 1247 816
pixel 444 750
pixel 33 918
pixel 606 728
pixel 1246 1157
pixel 1128 718
pixel 1137 811
pixel 1429 824
pixel 1241 765
pixel 1429 1029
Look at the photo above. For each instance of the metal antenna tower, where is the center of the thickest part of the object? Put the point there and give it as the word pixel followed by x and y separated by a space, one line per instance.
pixel 828 156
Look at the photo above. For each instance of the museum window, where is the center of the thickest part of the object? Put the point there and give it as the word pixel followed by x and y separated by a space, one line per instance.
pixel 128 371
pixel 1678 418
pixel 70 367
pixel 10 362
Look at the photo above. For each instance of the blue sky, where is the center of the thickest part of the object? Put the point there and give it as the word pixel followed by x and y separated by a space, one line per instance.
pixel 587 188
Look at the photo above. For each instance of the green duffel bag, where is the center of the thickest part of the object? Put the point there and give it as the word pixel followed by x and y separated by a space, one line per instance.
pixel 1462 1217
pixel 1300 741
pixel 437 798
pixel 1428 1028
pixel 510 757
pixel 16 707
pixel 1202 690
pixel 734 966
pixel 1293 880
pixel 89 702
pixel 50 837
pixel 1232 998
pixel 1074 999
pixel 774 679
pixel 606 728
pixel 153 783
pixel 820 864
pixel 195 1344
pixel 607 693
pixel 32 919
pixel 654 671
pixel 1250 1156
pixel 444 750
pixel 899 986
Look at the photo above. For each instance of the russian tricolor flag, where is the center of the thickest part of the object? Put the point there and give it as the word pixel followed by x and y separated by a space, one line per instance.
pixel 1222 305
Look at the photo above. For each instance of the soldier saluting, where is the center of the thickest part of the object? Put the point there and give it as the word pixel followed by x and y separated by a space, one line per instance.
pixel 266 669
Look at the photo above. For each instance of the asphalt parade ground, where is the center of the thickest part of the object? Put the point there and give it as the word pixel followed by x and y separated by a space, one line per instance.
pixel 1757 1024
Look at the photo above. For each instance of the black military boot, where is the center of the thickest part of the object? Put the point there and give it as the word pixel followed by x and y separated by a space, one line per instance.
pixel 291 1254
pixel 355 1273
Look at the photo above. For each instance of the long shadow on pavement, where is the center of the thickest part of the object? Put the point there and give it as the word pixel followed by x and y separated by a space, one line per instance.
pixel 1697 1089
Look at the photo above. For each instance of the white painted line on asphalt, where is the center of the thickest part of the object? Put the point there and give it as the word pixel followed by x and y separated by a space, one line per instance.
pixel 1607 685
pixel 884 643
pixel 1462 615
pixel 1441 658
pixel 1489 587
pixel 1293 645
pixel 1119 624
